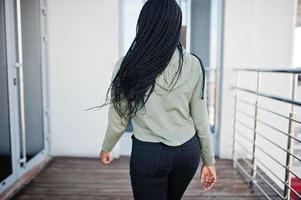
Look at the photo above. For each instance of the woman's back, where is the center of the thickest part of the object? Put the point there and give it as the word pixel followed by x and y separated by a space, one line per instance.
pixel 166 116
pixel 170 116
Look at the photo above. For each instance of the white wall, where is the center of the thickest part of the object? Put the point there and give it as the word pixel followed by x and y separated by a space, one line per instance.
pixel 83 47
pixel 297 47
pixel 257 34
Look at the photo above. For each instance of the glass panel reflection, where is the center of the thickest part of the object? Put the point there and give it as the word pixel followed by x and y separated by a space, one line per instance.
pixel 33 99
pixel 5 141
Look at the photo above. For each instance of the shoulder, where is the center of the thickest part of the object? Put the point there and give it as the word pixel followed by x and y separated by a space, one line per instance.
pixel 196 62
pixel 197 71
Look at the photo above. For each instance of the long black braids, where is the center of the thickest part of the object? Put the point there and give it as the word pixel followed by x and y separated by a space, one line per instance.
pixel 157 38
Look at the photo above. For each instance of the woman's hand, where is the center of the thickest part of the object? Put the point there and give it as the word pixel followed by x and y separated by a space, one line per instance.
pixel 208 176
pixel 105 157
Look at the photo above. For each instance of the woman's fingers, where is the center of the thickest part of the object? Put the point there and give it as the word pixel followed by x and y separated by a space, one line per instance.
pixel 207 182
pixel 106 160
pixel 204 178
pixel 208 177
pixel 211 181
pixel 208 185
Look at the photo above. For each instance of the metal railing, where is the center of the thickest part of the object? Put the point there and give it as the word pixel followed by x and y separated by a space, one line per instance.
pixel 255 168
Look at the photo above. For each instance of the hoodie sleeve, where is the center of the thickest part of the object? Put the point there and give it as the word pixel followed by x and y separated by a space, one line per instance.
pixel 115 127
pixel 199 113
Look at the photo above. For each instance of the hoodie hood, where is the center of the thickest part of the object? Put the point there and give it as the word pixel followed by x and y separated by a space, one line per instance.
pixel 164 80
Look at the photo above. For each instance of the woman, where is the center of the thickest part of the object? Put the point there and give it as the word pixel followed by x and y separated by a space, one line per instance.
pixel 161 88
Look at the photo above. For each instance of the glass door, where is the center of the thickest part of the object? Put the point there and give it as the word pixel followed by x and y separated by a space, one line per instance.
pixel 30 77
pixel 30 74
pixel 23 88
pixel 6 168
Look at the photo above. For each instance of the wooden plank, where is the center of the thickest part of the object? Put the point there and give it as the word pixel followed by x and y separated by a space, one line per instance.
pixel 87 178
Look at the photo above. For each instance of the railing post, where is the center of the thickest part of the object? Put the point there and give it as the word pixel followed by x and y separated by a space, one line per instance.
pixel 288 163
pixel 291 133
pixel 253 180
pixel 234 159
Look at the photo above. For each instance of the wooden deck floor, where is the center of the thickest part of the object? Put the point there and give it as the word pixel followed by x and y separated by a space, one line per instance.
pixel 87 178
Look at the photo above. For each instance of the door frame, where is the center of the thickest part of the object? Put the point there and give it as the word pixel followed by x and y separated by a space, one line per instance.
pixel 13 96
pixel 9 39
pixel 219 23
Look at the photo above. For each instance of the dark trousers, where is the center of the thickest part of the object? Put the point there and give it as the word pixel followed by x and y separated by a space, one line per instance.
pixel 162 172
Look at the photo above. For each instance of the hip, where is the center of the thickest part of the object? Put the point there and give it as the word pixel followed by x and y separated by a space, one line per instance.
pixel 147 158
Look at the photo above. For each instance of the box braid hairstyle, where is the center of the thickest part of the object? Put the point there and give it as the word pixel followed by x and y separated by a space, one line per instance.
pixel 157 37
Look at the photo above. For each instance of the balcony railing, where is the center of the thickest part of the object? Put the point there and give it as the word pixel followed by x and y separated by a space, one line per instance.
pixel 269 159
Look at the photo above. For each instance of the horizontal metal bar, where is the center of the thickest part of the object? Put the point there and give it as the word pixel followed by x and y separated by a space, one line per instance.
pixel 262 177
pixel 272 127
pixel 282 165
pixel 271 171
pixel 246 161
pixel 268 125
pixel 276 129
pixel 266 153
pixel 244 136
pixel 269 184
pixel 290 70
pixel 278 178
pixel 247 174
pixel 247 114
pixel 244 101
pixel 274 97
pixel 246 150
pixel 243 169
pixel 245 125
pixel 266 139
pixel 281 115
pixel 299 159
pixel 299 122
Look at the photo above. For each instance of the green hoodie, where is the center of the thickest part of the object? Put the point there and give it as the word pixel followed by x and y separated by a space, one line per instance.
pixel 170 117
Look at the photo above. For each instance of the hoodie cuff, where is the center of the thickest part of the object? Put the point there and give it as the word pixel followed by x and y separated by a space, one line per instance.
pixel 209 161
pixel 106 148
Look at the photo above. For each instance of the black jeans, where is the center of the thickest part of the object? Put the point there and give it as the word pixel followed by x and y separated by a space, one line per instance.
pixel 162 172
